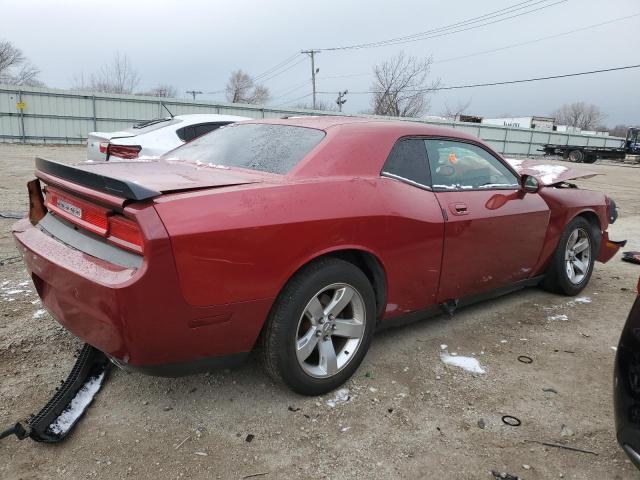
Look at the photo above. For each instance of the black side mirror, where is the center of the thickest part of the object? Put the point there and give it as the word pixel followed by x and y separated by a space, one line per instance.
pixel 529 184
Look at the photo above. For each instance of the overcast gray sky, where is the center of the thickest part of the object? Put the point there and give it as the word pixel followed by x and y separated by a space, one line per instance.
pixel 196 44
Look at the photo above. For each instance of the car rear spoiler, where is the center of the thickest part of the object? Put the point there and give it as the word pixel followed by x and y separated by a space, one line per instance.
pixel 115 186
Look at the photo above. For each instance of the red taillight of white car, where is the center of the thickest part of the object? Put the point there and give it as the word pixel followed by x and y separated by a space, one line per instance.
pixel 122 151
pixel 117 229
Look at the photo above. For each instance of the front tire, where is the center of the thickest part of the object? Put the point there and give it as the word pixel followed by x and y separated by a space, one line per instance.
pixel 572 263
pixel 320 327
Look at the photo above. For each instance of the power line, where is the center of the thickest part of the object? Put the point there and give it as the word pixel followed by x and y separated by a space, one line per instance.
pixel 529 42
pixel 454 27
pixel 292 88
pixel 270 73
pixel 507 82
pixel 293 100
pixel 484 52
pixel 276 67
pixel 281 72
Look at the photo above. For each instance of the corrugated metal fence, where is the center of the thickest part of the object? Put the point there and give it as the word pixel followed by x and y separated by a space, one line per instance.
pixel 38 115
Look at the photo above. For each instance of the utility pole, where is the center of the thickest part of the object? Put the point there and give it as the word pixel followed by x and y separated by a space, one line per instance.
pixel 194 93
pixel 312 53
pixel 341 100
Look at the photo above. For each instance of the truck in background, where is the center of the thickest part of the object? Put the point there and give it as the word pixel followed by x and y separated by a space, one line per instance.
pixel 628 147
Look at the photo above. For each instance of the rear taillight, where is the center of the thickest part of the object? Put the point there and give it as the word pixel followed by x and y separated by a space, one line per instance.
pixel 80 212
pixel 115 228
pixel 104 146
pixel 123 151
pixel 125 233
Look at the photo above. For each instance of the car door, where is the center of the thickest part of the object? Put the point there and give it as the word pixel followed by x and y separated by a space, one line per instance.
pixel 493 231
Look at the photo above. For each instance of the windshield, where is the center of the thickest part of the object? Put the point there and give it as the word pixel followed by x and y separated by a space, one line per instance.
pixel 263 147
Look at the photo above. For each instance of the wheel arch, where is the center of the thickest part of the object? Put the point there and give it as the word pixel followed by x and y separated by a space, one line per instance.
pixel 592 217
pixel 366 260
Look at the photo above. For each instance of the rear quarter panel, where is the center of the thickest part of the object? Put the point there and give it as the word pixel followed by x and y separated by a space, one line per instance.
pixel 245 243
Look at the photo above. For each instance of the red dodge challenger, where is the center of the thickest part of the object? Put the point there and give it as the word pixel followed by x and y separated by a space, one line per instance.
pixel 300 237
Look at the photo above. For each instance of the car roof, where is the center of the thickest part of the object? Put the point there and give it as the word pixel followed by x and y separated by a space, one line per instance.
pixel 401 127
pixel 358 146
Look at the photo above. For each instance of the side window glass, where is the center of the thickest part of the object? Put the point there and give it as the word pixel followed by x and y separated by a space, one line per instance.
pixel 408 160
pixel 459 166
pixel 206 128
pixel 186 134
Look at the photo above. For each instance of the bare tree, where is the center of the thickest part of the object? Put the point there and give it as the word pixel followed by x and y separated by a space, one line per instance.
pixel 454 113
pixel 619 130
pixel 401 86
pixel 162 90
pixel 579 114
pixel 320 105
pixel 241 88
pixel 15 69
pixel 118 76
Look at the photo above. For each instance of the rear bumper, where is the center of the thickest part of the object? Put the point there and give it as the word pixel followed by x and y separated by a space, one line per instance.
pixel 608 248
pixel 137 316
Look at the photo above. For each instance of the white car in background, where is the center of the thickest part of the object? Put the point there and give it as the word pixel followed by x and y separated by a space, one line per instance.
pixel 153 137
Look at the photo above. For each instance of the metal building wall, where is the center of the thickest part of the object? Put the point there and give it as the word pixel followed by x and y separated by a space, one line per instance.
pixel 58 116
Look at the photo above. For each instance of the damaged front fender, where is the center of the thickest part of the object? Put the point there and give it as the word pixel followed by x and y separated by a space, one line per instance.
pixel 608 248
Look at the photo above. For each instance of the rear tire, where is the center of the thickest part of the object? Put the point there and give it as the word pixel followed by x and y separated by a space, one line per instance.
pixel 320 327
pixel 590 159
pixel 572 263
pixel 576 156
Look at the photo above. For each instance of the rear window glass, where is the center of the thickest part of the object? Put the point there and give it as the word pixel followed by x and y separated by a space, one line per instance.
pixel 151 125
pixel 263 147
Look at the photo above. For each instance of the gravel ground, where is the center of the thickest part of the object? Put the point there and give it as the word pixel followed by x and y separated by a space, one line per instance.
pixel 407 413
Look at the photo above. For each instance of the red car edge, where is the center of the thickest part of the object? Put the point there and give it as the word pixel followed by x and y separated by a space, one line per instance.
pixel 303 235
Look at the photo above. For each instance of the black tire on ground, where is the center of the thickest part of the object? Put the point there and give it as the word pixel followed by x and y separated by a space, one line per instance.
pixel 278 338
pixel 591 158
pixel 557 277
pixel 576 156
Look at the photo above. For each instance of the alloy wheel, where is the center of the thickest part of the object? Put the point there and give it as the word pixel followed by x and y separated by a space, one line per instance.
pixel 330 330
pixel 577 256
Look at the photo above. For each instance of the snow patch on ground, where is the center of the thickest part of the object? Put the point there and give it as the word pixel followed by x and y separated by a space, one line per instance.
pixel 341 396
pixel 78 405
pixel 582 300
pixel 571 303
pixel 560 317
pixel 469 364
pixel 10 291
pixel 38 313
pixel 14 292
